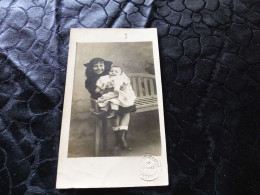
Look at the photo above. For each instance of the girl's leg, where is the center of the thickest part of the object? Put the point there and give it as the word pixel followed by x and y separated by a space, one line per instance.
pixel 123 127
pixel 124 122
pixel 115 127
pixel 115 123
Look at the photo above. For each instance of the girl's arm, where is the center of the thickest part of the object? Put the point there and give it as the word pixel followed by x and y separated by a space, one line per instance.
pixel 91 87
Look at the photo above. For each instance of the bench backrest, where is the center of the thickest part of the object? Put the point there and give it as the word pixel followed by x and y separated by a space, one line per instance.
pixel 143 84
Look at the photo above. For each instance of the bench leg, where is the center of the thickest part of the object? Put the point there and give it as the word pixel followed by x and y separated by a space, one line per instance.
pixel 104 136
pixel 97 137
pixel 100 136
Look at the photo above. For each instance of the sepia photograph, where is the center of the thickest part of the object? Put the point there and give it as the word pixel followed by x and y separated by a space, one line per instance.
pixel 114 108
pixel 112 132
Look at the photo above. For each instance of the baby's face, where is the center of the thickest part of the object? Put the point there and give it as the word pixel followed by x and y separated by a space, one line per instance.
pixel 115 71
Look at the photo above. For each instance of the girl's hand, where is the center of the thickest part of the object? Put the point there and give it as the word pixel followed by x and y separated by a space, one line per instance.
pixel 109 85
pixel 102 92
pixel 97 90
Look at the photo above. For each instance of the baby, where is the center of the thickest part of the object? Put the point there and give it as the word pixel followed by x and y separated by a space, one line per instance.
pixel 116 91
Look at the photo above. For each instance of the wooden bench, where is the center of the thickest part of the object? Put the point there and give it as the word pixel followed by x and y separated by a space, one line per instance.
pixel 144 87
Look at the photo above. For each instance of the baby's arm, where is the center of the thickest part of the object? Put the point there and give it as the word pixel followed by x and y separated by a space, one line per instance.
pixel 126 81
pixel 100 86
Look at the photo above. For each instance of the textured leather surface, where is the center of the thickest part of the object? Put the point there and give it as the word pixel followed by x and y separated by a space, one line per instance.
pixel 210 61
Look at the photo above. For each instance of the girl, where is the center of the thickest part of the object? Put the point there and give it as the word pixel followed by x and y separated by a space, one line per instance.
pixel 96 68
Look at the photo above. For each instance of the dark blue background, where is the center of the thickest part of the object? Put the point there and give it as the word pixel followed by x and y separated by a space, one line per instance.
pixel 210 61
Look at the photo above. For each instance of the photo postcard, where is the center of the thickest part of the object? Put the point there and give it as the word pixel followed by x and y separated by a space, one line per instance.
pixel 113 132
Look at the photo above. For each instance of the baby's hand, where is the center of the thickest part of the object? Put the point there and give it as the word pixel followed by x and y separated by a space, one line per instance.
pixel 116 92
pixel 123 87
pixel 97 90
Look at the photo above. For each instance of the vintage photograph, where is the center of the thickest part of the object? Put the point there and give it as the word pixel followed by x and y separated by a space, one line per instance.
pixel 112 132
pixel 114 108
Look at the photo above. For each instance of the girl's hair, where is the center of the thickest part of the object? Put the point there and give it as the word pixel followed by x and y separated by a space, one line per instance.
pixel 90 72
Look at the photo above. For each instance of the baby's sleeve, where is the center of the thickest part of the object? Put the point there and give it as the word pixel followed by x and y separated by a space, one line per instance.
pixel 126 79
pixel 100 83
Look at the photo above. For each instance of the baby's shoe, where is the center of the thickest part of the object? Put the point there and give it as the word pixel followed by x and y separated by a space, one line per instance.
pixel 99 113
pixel 111 114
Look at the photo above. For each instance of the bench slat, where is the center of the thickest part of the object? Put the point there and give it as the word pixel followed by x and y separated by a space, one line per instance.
pixel 152 86
pixel 134 85
pixel 140 86
pixel 143 75
pixel 146 87
pixel 146 102
pixel 147 105
pixel 146 97
pixel 145 109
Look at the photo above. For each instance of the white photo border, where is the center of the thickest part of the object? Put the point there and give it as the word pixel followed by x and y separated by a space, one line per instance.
pixel 106 172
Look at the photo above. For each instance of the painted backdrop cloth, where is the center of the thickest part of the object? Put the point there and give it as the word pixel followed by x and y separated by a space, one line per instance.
pixel 210 64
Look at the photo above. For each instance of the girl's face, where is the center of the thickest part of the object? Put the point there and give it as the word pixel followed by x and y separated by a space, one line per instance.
pixel 114 71
pixel 99 68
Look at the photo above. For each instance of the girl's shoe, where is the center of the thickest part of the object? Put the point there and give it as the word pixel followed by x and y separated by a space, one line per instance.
pixel 117 143
pixel 117 138
pixel 123 139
